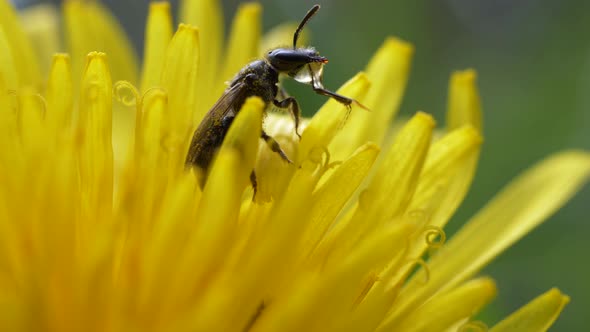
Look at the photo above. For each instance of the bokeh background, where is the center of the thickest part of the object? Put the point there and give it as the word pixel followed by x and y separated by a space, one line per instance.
pixel 533 64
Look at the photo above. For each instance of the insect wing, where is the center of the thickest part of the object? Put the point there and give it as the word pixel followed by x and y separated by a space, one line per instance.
pixel 212 129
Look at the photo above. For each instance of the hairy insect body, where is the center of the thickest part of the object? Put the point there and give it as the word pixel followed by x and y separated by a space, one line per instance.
pixel 256 79
pixel 260 78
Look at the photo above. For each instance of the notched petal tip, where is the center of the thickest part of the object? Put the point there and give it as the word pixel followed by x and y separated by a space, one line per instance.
pixel 58 57
pixel 396 44
pixel 468 76
pixel 464 105
pixel 160 6
pixel 95 56
pixel 425 119
pixel 185 27
pixel 250 8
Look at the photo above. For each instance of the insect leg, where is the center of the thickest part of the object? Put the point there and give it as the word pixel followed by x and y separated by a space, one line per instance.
pixel 254 183
pixel 274 146
pixel 319 89
pixel 293 106
pixel 339 98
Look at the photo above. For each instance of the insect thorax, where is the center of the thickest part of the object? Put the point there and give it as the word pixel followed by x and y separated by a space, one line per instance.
pixel 260 78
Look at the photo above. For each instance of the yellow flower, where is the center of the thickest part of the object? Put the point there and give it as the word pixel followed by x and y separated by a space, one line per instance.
pixel 101 229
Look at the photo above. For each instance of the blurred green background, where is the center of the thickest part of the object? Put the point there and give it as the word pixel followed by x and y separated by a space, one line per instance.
pixel 533 64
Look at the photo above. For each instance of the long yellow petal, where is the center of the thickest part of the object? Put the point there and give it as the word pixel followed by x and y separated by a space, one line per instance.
pixel 326 123
pixel 521 206
pixel 179 78
pixel 243 138
pixel 244 39
pixel 446 310
pixel 464 105
pixel 158 32
pixel 442 168
pixel 388 72
pixel 124 63
pixel 396 178
pixel 390 192
pixel 59 96
pixel 8 66
pixel 30 120
pixel 536 316
pixel 41 23
pixel 24 57
pixel 330 297
pixel 90 27
pixel 10 152
pixel 207 16
pixel 266 252
pixel 150 156
pixel 95 132
pixel 228 177
pixel 330 198
pixel 442 186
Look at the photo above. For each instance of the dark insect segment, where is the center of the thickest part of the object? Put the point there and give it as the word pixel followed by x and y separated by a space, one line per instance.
pixel 260 78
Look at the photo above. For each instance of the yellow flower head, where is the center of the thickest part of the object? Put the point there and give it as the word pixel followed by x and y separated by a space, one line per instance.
pixel 102 228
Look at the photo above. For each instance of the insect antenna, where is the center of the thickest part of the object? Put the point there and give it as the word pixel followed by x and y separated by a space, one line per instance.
pixel 309 14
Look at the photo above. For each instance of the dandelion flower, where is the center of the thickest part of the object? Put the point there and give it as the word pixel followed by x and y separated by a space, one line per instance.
pixel 102 229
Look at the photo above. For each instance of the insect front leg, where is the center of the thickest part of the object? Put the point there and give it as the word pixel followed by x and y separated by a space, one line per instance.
pixel 274 146
pixel 339 98
pixel 293 106
pixel 319 89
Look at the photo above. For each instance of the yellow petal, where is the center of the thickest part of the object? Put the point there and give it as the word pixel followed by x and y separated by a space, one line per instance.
pixel 395 180
pixel 90 27
pixel 24 57
pixel 59 96
pixel 447 174
pixel 444 181
pixel 150 135
pixel 172 226
pixel 158 32
pixel 207 16
pixel 536 316
pixel 227 179
pixel 243 136
pixel 10 151
pixel 322 304
pixel 244 39
pixel 266 252
pixel 388 73
pixel 464 106
pixel 326 123
pixel 272 172
pixel 522 205
pixel 30 120
pixel 95 132
pixel 329 199
pixel 179 78
pixel 391 189
pixel 8 67
pixel 150 155
pixel 446 310
pixel 41 23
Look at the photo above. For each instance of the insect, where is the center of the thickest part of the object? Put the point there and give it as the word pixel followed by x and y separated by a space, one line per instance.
pixel 260 78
